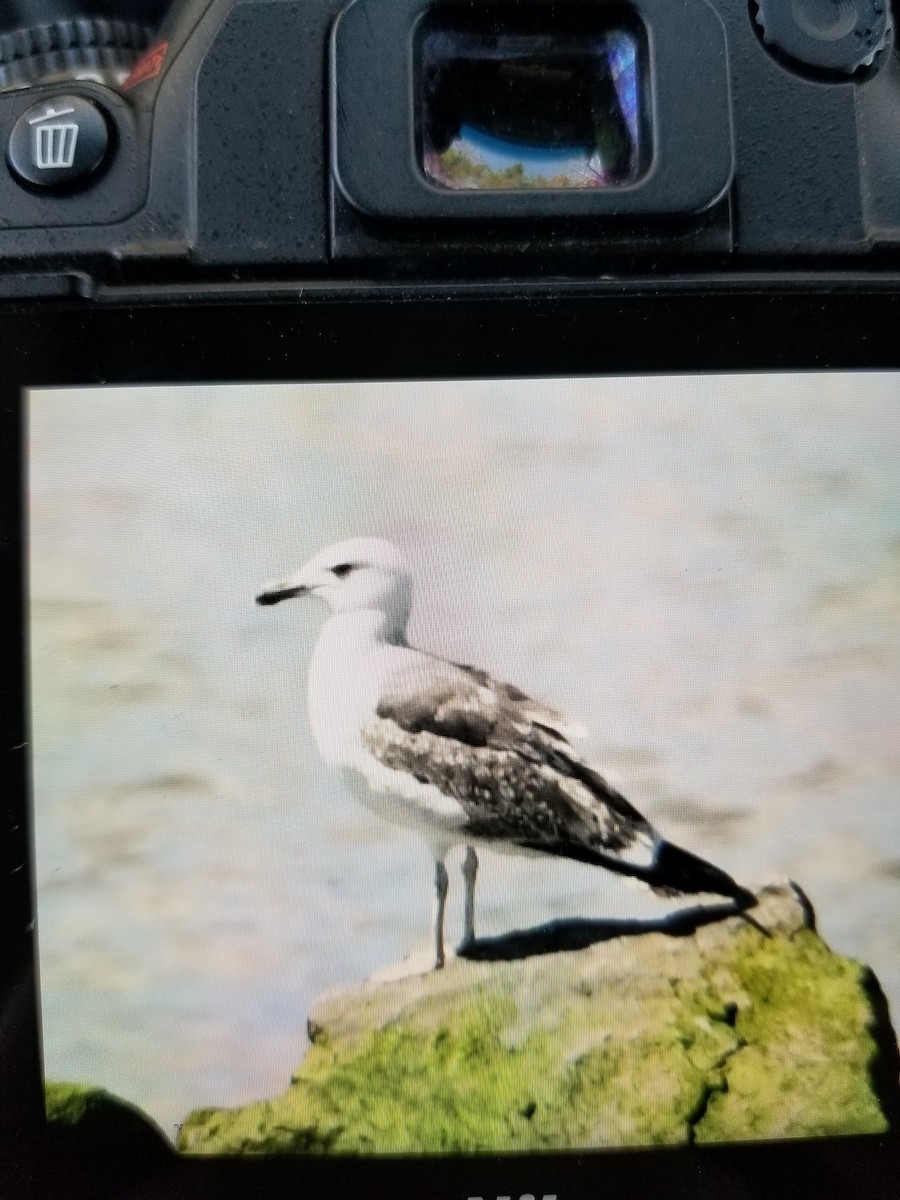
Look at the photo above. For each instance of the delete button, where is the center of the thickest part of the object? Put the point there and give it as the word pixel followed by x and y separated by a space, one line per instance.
pixel 58 142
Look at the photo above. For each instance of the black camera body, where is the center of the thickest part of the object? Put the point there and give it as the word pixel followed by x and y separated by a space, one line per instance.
pixel 280 139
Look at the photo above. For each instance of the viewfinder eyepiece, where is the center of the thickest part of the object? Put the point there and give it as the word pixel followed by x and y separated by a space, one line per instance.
pixel 506 103
pixel 530 110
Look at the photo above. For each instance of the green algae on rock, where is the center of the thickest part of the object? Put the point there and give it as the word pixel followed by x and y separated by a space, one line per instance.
pixel 89 1118
pixel 716 1033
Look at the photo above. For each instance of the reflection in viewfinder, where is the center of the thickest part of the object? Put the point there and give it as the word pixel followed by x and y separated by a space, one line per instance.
pixel 531 111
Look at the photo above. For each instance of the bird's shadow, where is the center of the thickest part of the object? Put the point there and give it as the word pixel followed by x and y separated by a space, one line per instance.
pixel 579 933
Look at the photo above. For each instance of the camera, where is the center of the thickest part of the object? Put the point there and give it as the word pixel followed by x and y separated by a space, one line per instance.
pixel 254 141
pixel 553 342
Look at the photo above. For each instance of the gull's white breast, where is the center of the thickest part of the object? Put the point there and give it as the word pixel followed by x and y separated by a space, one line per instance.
pixel 348 675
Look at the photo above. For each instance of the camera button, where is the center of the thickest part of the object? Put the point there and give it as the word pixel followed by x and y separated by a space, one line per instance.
pixel 58 142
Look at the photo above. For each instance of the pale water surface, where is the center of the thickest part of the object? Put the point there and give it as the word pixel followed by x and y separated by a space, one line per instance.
pixel 705 572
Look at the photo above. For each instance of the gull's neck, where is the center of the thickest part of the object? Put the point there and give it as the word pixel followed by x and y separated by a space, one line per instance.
pixel 364 627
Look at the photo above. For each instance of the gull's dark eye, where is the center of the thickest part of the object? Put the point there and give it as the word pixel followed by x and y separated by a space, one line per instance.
pixel 342 569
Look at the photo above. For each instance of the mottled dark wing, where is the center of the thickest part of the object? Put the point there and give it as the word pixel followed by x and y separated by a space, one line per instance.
pixel 508 762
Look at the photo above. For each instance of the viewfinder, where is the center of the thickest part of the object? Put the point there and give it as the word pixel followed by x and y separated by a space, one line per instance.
pixel 507 103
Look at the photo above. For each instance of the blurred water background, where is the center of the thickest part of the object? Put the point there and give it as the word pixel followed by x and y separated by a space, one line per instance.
pixel 705 572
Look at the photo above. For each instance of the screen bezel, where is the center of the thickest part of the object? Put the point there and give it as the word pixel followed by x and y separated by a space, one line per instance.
pixel 337 333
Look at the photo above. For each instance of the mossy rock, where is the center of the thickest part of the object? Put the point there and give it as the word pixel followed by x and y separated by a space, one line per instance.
pixel 701 1033
pixel 90 1120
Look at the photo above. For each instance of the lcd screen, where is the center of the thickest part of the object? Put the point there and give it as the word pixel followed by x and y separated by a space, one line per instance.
pixel 455 767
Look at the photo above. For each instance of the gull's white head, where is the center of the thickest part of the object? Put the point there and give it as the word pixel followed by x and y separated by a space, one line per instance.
pixel 361 574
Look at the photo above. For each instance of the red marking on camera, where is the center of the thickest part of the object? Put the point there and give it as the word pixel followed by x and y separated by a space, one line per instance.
pixel 148 66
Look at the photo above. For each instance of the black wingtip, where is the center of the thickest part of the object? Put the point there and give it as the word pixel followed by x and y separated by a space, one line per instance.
pixel 747 899
pixel 678 871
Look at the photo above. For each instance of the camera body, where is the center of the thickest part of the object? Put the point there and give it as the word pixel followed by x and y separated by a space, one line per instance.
pixel 282 139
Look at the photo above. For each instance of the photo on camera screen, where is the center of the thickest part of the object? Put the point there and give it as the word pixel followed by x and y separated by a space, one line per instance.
pixel 448 767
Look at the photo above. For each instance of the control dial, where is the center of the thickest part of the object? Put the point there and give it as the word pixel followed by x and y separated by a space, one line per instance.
pixel 831 35
pixel 83 48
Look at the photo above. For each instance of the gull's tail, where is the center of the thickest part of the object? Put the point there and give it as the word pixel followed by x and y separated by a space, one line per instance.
pixel 675 872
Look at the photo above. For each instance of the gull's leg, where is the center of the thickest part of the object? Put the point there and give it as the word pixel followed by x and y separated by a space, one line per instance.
pixel 423 962
pixel 441 884
pixel 469 873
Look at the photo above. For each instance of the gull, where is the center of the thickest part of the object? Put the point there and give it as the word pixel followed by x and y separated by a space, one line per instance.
pixel 462 758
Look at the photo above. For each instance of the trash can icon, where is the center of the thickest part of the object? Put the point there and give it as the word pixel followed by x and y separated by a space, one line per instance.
pixel 54 140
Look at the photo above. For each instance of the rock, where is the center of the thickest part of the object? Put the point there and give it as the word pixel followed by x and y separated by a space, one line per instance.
pixel 89 1119
pixel 704 1028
